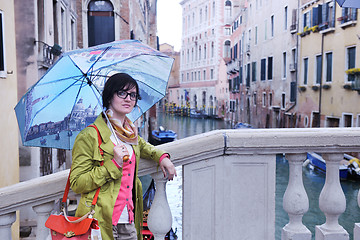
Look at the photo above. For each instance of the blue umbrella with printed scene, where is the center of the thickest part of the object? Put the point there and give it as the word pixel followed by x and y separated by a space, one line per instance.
pixel 68 97
pixel 349 3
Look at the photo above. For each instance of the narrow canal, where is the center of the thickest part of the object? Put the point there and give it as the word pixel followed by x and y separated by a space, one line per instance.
pixel 313 182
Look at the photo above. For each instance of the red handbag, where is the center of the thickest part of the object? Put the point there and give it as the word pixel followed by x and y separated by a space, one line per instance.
pixel 86 227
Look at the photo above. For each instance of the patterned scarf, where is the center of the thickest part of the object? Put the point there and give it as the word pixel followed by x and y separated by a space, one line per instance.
pixel 126 132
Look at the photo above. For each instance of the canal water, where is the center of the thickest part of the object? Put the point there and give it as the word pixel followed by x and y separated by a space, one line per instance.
pixel 313 182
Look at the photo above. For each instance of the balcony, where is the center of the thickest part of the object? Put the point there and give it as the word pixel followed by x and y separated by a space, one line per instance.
pixel 228 185
pixel 232 66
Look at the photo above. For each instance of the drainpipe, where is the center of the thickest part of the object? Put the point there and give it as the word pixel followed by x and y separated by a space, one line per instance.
pixel 321 72
pixel 296 57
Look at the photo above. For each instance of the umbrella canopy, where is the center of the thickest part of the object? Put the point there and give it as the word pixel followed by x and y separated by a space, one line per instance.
pixel 349 3
pixel 68 97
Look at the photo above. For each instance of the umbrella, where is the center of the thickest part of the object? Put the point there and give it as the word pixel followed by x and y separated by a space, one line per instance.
pixel 68 97
pixel 349 3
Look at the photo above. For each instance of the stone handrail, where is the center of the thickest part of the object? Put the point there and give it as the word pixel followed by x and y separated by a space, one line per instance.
pixel 40 193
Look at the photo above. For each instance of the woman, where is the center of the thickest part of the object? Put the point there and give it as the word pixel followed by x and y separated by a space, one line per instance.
pixel 119 205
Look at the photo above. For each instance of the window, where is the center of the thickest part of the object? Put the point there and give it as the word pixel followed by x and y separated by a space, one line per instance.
pixel 213 9
pixel 306 20
pixel 264 100
pixel 348 14
pixel 263 69
pixel 270 68
pixel 228 9
pixel 2 46
pixel 212 49
pixel 318 69
pixel 285 18
pixel 328 72
pixel 227 49
pixel 211 73
pixel 284 65
pixel 283 102
pixel 101 28
pixel 253 71
pixel 306 69
pixel 270 99
pixel 254 98
pixel 247 75
pixel 205 51
pixel 272 25
pixel 46 167
pixel 241 75
pixel 265 30
pixel 256 35
pixel 351 54
pixel 347 120
pixel 235 51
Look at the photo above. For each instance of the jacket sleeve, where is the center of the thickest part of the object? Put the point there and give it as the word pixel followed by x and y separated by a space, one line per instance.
pixel 86 172
pixel 150 152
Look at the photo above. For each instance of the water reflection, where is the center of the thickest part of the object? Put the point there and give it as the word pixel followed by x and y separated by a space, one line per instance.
pixel 186 126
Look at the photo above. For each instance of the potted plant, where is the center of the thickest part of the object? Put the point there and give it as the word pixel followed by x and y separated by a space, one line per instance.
pixel 347 86
pixel 315 88
pixel 302 88
pixel 326 86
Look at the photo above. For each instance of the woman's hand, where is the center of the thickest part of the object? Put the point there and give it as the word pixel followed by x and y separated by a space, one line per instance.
pixel 120 151
pixel 168 167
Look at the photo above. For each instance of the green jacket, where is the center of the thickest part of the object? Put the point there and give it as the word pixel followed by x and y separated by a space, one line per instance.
pixel 87 176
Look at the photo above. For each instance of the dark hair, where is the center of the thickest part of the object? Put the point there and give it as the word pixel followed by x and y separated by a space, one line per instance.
pixel 117 82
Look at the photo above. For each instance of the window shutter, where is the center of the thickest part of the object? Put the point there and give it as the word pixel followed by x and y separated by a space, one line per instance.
pixel 315 17
pixel 353 14
pixel 319 12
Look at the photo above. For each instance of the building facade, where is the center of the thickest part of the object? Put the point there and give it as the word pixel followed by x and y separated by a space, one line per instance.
pixel 9 154
pixel 172 97
pixel 202 52
pixel 328 92
pixel 262 62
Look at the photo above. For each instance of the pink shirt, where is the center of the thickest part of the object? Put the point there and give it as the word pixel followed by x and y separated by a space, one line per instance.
pixel 125 194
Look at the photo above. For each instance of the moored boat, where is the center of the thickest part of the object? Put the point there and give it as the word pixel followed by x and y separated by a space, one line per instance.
pixel 348 167
pixel 163 136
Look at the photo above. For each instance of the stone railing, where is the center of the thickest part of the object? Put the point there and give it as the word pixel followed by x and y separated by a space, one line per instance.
pixel 228 186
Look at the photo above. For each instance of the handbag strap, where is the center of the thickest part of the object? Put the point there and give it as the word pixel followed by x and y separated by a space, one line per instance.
pixel 67 187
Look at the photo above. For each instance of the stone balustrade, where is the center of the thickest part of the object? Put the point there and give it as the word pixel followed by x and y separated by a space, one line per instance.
pixel 228 186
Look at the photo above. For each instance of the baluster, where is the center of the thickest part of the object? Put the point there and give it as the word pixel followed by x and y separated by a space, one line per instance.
pixel 332 202
pixel 6 221
pixel 43 212
pixel 295 201
pixel 357 225
pixel 159 218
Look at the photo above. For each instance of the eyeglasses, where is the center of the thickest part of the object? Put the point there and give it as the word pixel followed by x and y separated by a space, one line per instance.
pixel 123 95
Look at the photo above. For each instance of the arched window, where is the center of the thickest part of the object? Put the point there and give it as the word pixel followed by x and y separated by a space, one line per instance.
pixel 206 14
pixel 228 9
pixel 212 49
pixel 205 51
pixel 100 22
pixel 213 9
pixel 199 52
pixel 227 49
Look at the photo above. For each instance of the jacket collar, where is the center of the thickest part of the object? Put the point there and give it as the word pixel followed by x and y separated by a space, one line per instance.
pixel 105 133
